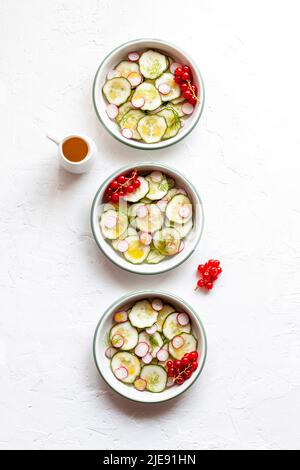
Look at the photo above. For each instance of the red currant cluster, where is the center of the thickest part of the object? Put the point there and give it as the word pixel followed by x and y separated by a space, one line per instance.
pixel 122 185
pixel 209 272
pixel 183 76
pixel 182 370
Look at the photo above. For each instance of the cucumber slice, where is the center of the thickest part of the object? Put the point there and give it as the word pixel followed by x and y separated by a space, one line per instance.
pixel 181 99
pixel 182 229
pixel 152 128
pixel 177 108
pixel 137 252
pixel 153 64
pixel 132 211
pixel 145 200
pixel 189 345
pixel 172 328
pixel 167 241
pixel 156 378
pixel 123 109
pixel 174 208
pixel 168 79
pixel 171 193
pixel 140 192
pixel 152 221
pixel 125 68
pixel 118 229
pixel 117 90
pixel 130 121
pixel 142 314
pixel 155 341
pixel 162 315
pixel 128 333
pixel 157 189
pixel 109 206
pixel 149 93
pixel 154 257
pixel 130 362
pixel 173 122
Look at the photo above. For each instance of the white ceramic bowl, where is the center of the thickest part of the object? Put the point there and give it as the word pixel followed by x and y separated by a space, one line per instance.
pixel 100 345
pixel 191 241
pixel 119 54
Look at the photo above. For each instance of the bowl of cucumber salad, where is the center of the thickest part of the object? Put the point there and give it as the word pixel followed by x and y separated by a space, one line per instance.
pixel 148 94
pixel 147 218
pixel 150 346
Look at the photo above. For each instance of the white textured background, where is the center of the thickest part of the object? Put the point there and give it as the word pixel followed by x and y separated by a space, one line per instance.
pixel 244 159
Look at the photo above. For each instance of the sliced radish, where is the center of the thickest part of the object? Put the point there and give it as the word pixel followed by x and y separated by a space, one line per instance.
pixel 135 78
pixel 140 384
pixel 127 133
pixel 174 66
pixel 142 211
pixel 110 352
pixel 170 382
pixel 183 319
pixel 122 246
pixel 138 102
pixel 162 355
pixel 164 88
pixel 162 205
pixel 177 342
pixel 121 373
pixel 181 191
pixel 181 246
pixel 145 238
pixel 121 317
pixel 113 74
pixel 157 304
pixel 147 359
pixel 112 111
pixel 187 108
pixel 110 221
pixel 117 341
pixel 184 211
pixel 156 176
pixel 141 349
pixel 133 56
pixel 152 329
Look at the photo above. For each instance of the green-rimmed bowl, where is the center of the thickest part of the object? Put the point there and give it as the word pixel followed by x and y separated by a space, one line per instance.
pixel 101 343
pixel 119 54
pixel 171 262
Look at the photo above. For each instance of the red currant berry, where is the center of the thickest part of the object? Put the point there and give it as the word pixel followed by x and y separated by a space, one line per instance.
pixel 186 68
pixel 136 184
pixel 185 361
pixel 171 372
pixel 209 285
pixel 187 94
pixel 177 364
pixel 194 365
pixel 109 190
pixel 206 275
pixel 178 72
pixel 219 270
pixel 115 197
pixel 216 263
pixel 177 79
pixel 109 197
pixel 185 76
pixel 184 86
pixel 201 268
pixel 194 89
pixel 114 184
pixel 130 188
pixel 201 283
pixel 194 355
pixel 179 380
pixel 169 364
pixel 121 193
pixel 188 374
pixel 121 179
pixel 192 100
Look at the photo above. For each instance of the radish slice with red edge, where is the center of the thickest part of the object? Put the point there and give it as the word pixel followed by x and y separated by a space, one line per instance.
pixel 110 221
pixel 170 382
pixel 156 176
pixel 145 238
pixel 157 304
pixel 117 341
pixel 147 359
pixel 181 246
pixel 142 211
pixel 127 133
pixel 138 102
pixel 135 78
pixel 121 373
pixel 177 342
pixel 162 205
pixel 181 191
pixel 113 74
pixel 152 329
pixel 162 355
pixel 110 352
pixel 184 211
pixel 164 88
pixel 121 317
pixel 112 111
pixel 122 246
pixel 187 108
pixel 183 319
pixel 141 349
pixel 133 56
pixel 174 66
pixel 140 384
